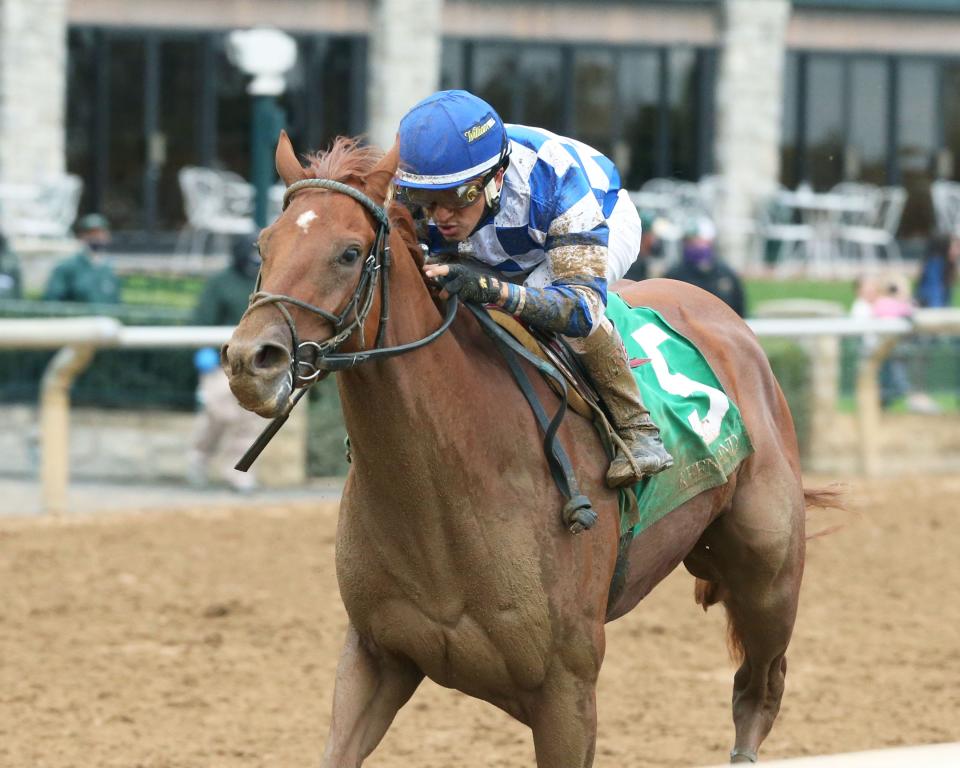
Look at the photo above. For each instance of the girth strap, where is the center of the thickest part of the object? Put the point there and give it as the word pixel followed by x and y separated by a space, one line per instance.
pixel 578 513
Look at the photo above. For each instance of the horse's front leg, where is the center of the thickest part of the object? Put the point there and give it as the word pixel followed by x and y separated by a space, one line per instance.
pixel 564 722
pixel 369 691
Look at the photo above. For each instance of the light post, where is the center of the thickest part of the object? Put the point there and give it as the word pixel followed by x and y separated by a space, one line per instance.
pixel 266 55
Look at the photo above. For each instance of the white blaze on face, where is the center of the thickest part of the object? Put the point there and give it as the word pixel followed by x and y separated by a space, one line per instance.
pixel 304 219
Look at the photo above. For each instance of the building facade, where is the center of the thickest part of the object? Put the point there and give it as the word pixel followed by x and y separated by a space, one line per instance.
pixel 870 88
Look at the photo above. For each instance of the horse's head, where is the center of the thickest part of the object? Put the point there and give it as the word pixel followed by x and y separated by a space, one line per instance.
pixel 318 277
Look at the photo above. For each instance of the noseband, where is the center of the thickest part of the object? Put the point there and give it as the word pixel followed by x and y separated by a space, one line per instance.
pixel 376 268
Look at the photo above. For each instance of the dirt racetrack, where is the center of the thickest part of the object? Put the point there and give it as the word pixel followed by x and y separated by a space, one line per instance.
pixel 202 638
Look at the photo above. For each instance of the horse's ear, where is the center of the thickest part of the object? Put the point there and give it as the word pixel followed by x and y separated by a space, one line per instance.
pixel 379 179
pixel 288 166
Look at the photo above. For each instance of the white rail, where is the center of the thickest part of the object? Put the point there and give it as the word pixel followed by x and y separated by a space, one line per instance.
pixel 78 338
pixel 927 756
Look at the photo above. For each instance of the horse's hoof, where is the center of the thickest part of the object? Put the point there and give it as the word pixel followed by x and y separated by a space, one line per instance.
pixel 743 756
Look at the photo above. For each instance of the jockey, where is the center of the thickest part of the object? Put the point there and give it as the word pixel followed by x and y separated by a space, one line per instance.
pixel 537 224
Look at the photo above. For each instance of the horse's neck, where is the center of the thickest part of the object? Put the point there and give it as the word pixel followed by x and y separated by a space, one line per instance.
pixel 443 395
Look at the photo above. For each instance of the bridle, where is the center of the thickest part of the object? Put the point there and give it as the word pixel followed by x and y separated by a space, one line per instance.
pixel 577 512
pixel 376 269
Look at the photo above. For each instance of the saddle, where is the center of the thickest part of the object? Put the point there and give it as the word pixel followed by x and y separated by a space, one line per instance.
pixel 579 395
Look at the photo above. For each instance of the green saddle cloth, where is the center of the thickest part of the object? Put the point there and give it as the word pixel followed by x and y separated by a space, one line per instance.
pixel 700 426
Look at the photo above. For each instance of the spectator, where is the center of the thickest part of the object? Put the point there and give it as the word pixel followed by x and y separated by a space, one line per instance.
pixel 701 266
pixel 867 292
pixel 10 281
pixel 225 294
pixel 222 425
pixel 653 230
pixel 86 276
pixel 938 272
pixel 889 296
pixel 893 299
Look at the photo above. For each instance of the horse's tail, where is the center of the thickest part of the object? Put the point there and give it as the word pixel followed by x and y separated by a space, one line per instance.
pixel 830 497
pixel 708 593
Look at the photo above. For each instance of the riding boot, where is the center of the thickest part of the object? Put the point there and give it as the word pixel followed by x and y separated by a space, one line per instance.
pixel 605 358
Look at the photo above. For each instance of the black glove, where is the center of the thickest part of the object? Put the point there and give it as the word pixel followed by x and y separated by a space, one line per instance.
pixel 470 285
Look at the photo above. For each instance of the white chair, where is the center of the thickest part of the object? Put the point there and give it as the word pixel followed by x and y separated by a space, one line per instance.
pixel 868 195
pixel 216 204
pixel 44 210
pixel 660 186
pixel 775 224
pixel 868 239
pixel 711 189
pixel 946 205
pixel 688 200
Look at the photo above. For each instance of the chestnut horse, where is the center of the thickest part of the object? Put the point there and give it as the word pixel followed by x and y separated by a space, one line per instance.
pixel 451 557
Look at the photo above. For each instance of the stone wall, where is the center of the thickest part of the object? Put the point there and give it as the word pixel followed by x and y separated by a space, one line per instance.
pixel 404 62
pixel 145 446
pixel 749 115
pixel 33 54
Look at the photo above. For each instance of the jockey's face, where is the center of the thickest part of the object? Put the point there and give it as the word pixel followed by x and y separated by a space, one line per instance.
pixel 456 223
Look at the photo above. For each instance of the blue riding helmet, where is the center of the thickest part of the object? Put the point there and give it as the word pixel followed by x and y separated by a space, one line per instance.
pixel 449 138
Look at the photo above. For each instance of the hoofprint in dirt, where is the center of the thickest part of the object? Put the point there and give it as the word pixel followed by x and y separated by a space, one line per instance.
pixel 200 638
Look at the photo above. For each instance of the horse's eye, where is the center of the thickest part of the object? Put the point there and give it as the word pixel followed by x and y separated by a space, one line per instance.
pixel 350 255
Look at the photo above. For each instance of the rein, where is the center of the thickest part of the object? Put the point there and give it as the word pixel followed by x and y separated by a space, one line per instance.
pixel 376 268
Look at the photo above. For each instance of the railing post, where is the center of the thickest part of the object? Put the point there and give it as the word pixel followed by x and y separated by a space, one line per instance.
pixel 55 423
pixel 869 407
pixel 824 383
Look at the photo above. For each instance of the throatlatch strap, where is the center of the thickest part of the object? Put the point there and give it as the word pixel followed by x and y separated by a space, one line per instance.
pixel 578 513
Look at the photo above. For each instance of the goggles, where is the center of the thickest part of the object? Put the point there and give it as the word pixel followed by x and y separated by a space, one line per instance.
pixel 461 196
pixel 456 197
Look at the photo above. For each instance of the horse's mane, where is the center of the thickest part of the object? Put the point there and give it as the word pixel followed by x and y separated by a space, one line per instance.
pixel 348 160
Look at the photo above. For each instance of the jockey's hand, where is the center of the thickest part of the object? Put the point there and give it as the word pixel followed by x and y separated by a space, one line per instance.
pixel 468 284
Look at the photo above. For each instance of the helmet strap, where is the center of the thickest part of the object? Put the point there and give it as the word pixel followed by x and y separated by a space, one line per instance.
pixel 491 192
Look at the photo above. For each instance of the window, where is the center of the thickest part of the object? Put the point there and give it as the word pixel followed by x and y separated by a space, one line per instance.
pixel 83 91
pixel 640 105
pixel 122 200
pixel 950 158
pixel 327 92
pixel 521 83
pixel 790 172
pixel 866 156
pixel 594 99
pixel 452 65
pixel 176 139
pixel 825 116
pixel 917 116
pixel 684 106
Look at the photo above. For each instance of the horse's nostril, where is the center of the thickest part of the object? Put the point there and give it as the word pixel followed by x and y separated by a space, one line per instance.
pixel 270 356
